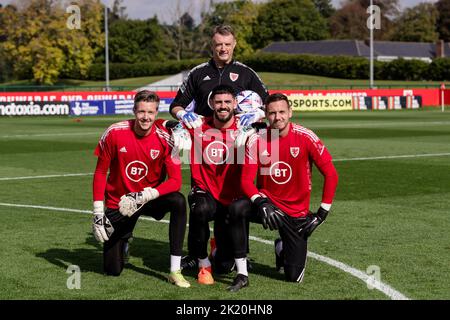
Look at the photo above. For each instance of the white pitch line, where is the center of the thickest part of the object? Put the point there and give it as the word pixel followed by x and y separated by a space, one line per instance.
pixel 47 176
pixel 378 124
pixel 395 157
pixel 376 284
pixel 43 207
pixel 186 168
pixel 312 125
pixel 50 134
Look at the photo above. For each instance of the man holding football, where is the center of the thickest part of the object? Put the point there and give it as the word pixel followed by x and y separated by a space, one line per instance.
pixel 192 102
pixel 214 174
pixel 280 158
pixel 137 153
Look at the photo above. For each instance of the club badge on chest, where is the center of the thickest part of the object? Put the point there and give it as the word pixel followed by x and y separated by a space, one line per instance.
pixel 154 154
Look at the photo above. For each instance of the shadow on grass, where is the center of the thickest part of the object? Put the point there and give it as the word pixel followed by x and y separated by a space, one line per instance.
pixel 264 270
pixel 154 254
pixel 155 257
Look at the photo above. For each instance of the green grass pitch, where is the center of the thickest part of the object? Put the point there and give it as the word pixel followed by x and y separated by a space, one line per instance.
pixel 391 213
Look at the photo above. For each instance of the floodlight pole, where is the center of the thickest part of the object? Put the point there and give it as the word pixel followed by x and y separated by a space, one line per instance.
pixel 371 46
pixel 106 49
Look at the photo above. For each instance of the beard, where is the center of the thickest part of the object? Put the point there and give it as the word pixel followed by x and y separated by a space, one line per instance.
pixel 221 119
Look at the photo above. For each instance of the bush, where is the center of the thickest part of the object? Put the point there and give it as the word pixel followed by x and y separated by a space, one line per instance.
pixel 439 69
pixel 328 66
pixel 401 69
pixel 337 67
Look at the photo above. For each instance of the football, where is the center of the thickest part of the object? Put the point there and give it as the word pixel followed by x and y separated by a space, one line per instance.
pixel 248 101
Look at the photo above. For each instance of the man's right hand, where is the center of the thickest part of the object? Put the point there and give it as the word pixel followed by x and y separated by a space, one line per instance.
pixel 190 119
pixel 101 226
pixel 243 133
pixel 181 138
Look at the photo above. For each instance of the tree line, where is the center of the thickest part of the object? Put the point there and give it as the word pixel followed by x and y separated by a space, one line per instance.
pixel 36 42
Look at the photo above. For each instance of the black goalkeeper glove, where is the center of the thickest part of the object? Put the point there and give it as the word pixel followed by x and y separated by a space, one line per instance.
pixel 259 126
pixel 315 221
pixel 270 215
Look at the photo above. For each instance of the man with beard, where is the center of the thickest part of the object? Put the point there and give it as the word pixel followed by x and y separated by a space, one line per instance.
pixel 214 178
pixel 192 102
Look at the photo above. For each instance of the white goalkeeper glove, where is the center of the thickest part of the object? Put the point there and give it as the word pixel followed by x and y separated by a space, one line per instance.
pixel 190 119
pixel 133 201
pixel 101 226
pixel 248 118
pixel 243 134
pixel 181 138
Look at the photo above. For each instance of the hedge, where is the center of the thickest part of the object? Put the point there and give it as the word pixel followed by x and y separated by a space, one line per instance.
pixel 350 67
pixel 328 66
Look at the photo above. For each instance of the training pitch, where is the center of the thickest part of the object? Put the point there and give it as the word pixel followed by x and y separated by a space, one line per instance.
pixel 387 236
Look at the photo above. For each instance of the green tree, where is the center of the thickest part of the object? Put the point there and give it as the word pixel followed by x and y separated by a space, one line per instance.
pixel 443 21
pixel 415 26
pixel 325 7
pixel 287 20
pixel 39 43
pixel 180 37
pixel 350 21
pixel 132 41
pixel 241 15
pixel 117 12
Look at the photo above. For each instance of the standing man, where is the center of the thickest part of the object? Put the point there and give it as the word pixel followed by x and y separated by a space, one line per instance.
pixel 192 99
pixel 214 174
pixel 281 159
pixel 137 153
pixel 221 69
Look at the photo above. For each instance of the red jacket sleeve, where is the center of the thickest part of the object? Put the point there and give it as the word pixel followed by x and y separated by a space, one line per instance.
pixel 330 182
pixel 173 182
pixel 250 167
pixel 323 161
pixel 100 176
pixel 103 152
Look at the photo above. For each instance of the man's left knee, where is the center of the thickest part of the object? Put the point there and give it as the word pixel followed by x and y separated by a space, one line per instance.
pixel 239 209
pixel 178 200
pixel 294 273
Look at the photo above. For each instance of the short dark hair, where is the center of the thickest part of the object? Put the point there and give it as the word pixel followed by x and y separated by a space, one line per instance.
pixel 223 30
pixel 146 96
pixel 222 89
pixel 274 97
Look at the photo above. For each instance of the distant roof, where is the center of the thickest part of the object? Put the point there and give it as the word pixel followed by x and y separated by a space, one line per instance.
pixel 405 49
pixel 358 48
pixel 325 47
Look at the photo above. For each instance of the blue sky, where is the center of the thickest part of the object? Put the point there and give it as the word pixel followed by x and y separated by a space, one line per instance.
pixel 166 9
